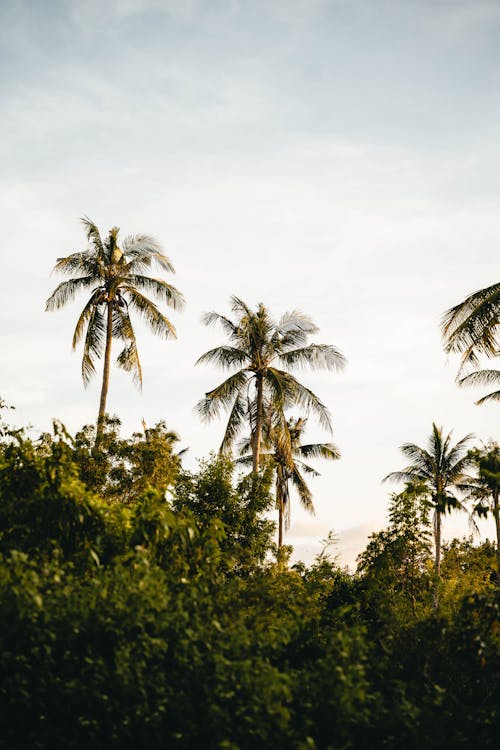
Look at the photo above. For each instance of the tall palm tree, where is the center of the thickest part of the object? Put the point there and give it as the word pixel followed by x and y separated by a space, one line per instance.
pixel 263 352
pixel 284 451
pixel 117 282
pixel 471 328
pixel 442 470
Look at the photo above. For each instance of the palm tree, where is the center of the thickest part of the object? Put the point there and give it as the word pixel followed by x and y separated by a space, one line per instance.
pixel 259 347
pixel 442 470
pixel 485 487
pixel 283 450
pixel 116 280
pixel 471 329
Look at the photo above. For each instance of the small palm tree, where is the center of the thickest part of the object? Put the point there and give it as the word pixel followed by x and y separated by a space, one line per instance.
pixel 442 470
pixel 284 451
pixel 263 352
pixel 116 279
pixel 485 487
pixel 471 329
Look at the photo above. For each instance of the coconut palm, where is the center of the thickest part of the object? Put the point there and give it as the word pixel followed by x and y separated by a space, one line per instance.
pixel 117 282
pixel 284 451
pixel 442 469
pixel 263 352
pixel 485 487
pixel 471 329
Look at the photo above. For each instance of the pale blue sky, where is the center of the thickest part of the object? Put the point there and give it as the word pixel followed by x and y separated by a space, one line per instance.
pixel 341 157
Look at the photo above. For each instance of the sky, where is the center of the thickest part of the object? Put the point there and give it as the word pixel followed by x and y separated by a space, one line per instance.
pixel 340 157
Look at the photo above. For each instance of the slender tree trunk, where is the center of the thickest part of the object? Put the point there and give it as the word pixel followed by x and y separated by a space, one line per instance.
pixel 280 525
pixel 258 426
pixel 437 560
pixel 106 368
pixel 281 511
pixel 413 598
pixel 496 514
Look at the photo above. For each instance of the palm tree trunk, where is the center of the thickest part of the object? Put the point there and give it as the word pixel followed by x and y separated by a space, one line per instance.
pixel 496 514
pixel 437 560
pixel 258 426
pixel 280 522
pixel 413 597
pixel 106 369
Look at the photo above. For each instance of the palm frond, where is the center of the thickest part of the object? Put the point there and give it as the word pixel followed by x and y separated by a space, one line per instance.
pixel 303 491
pixel 471 326
pixel 277 383
pixel 93 234
pixel 494 396
pixel 85 317
pixel 283 342
pixel 211 318
pixel 327 451
pixel 295 320
pixel 307 469
pixel 234 423
pixel 142 251
pixel 223 396
pixel 453 503
pixel 240 307
pixel 122 325
pixel 66 291
pixel 305 398
pixel 315 356
pixel 292 331
pixel 483 377
pixel 159 323
pixel 128 360
pixel 245 460
pixel 458 458
pixel 94 342
pixel 225 357
pixel 160 289
pixel 421 459
pixel 404 476
pixel 243 447
pixel 83 263
pixel 480 377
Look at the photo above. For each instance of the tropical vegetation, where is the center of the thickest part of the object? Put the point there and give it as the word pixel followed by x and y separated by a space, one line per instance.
pixel 485 487
pixel 440 471
pixel 168 620
pixel 145 605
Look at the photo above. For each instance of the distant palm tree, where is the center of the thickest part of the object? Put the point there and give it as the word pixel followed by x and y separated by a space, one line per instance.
pixel 442 470
pixel 284 451
pixel 259 347
pixel 485 487
pixel 117 282
pixel 471 328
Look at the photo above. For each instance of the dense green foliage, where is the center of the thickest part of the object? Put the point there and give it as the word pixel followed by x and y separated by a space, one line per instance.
pixel 167 620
